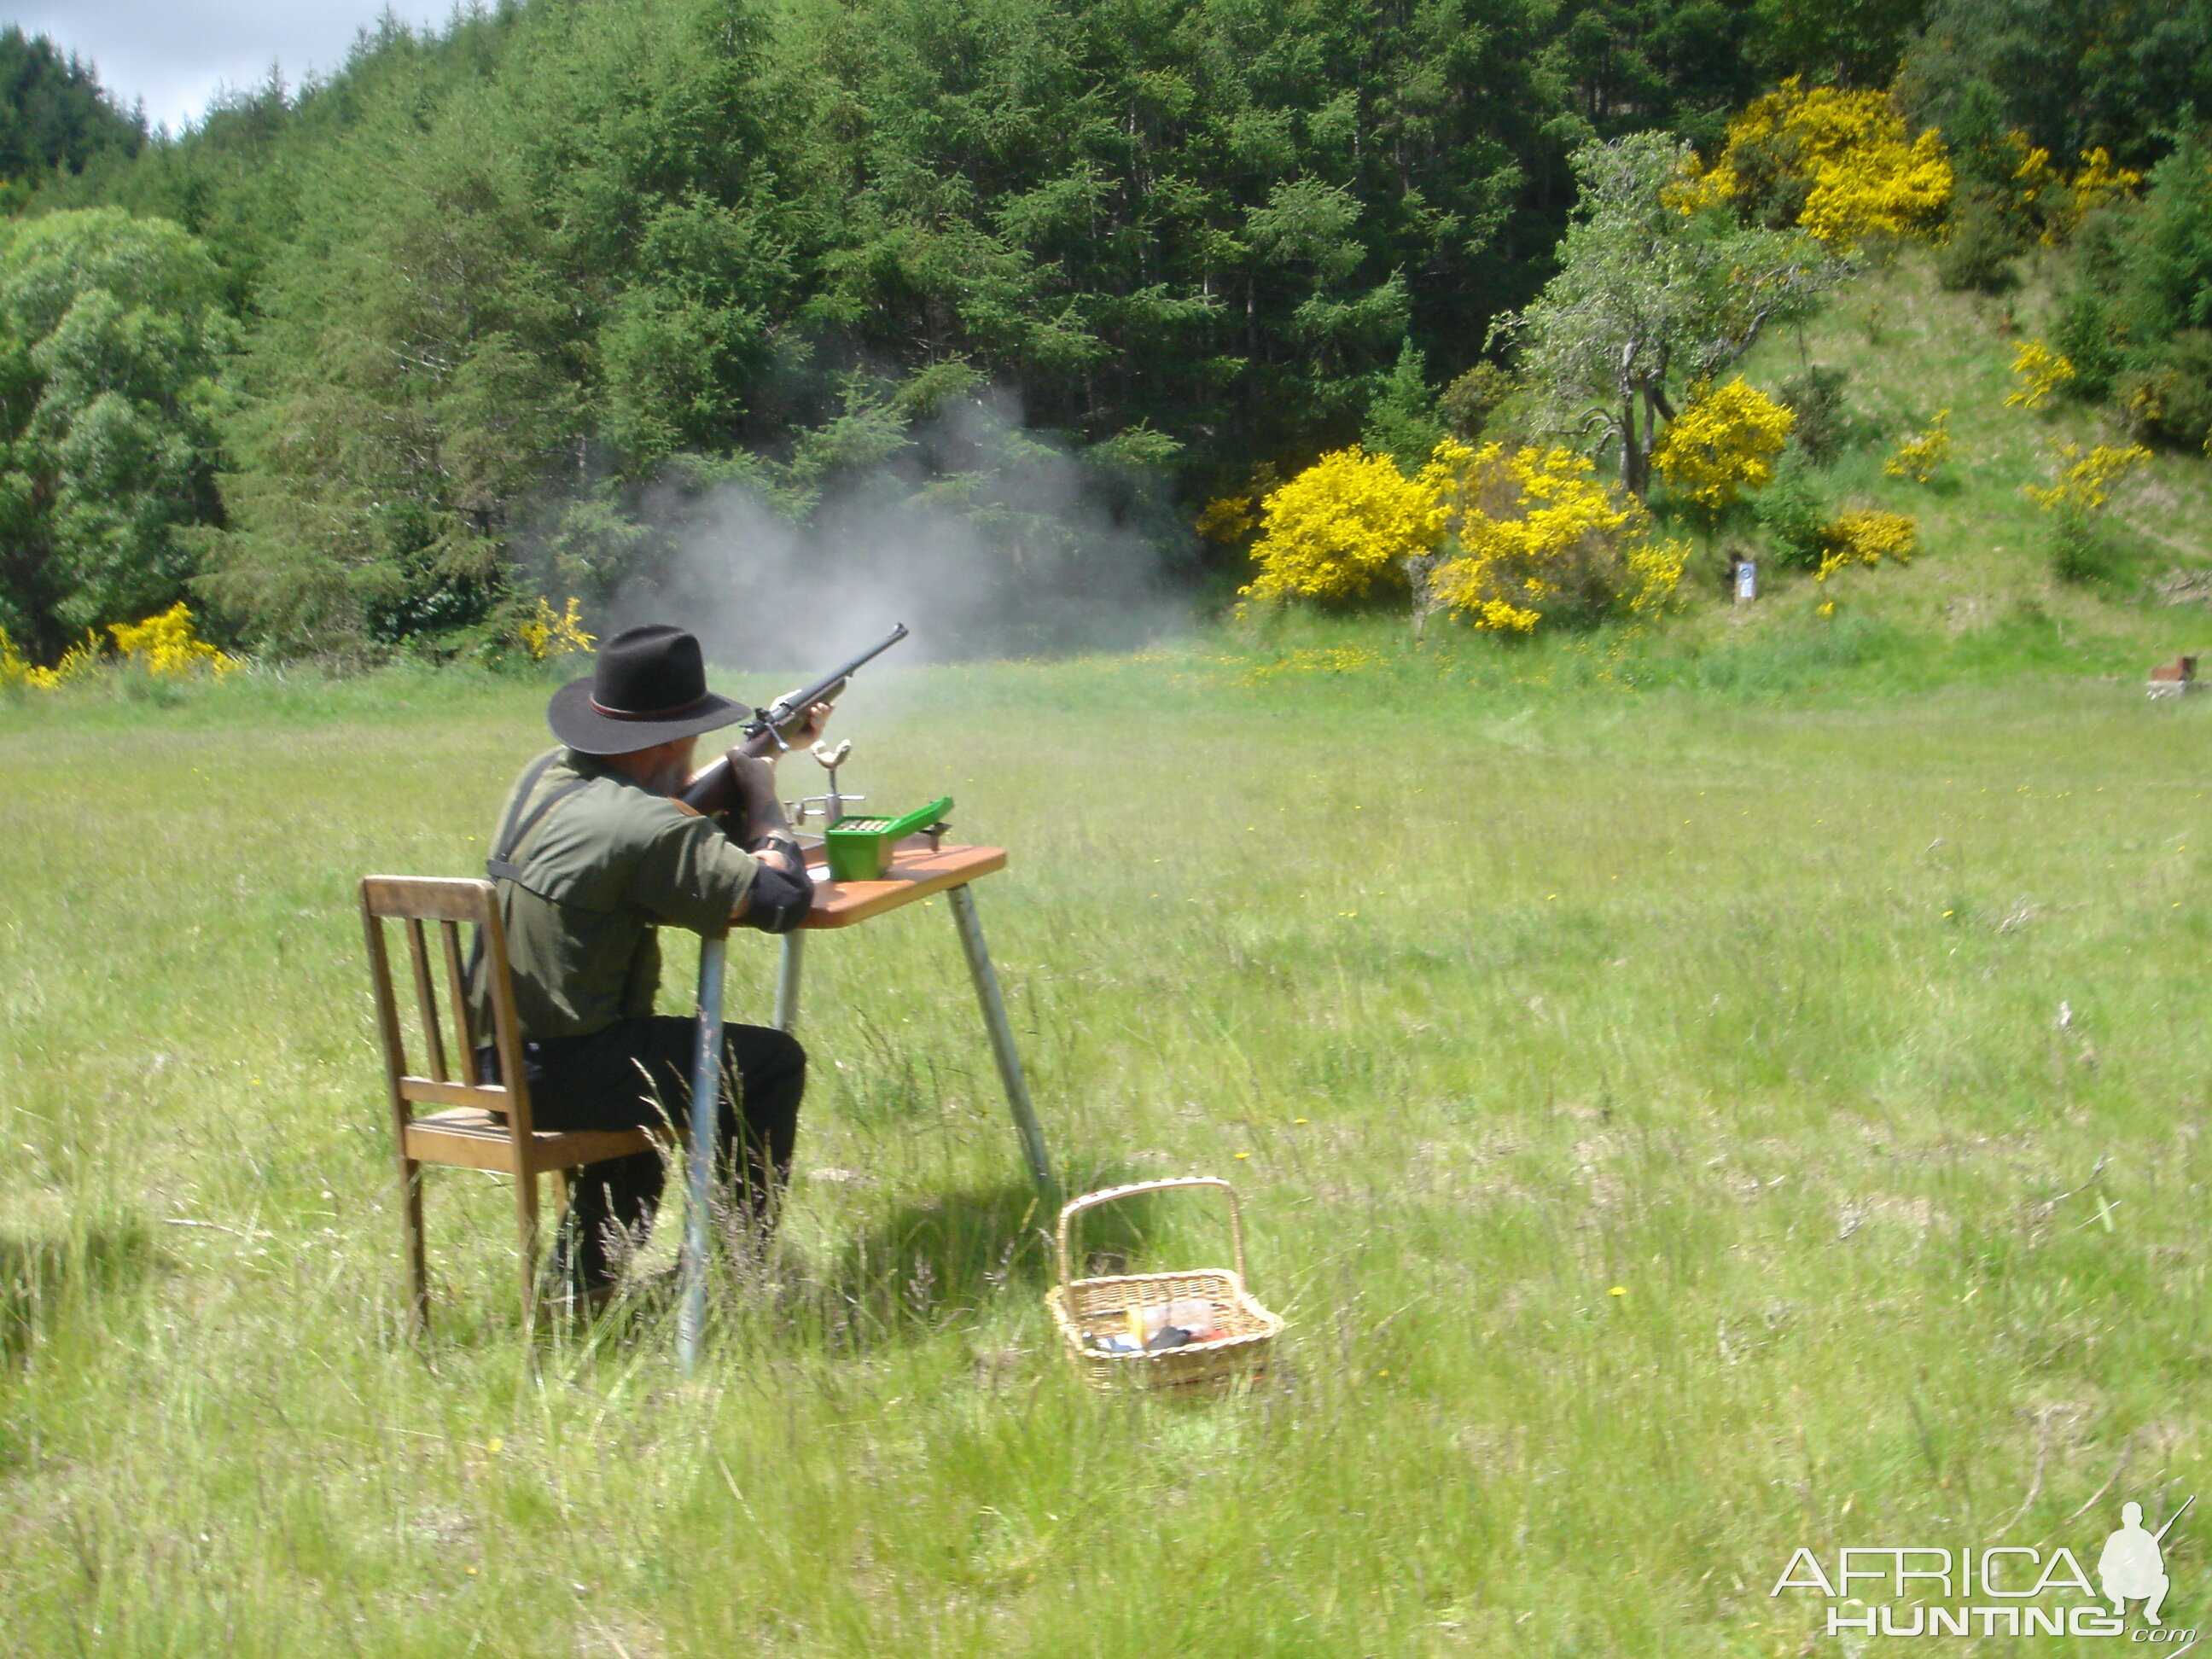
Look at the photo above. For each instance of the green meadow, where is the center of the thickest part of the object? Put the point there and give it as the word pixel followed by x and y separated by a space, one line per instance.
pixel 1689 1103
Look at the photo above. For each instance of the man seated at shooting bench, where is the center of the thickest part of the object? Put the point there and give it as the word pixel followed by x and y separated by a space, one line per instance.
pixel 594 851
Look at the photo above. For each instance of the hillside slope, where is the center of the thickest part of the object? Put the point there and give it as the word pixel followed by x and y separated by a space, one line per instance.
pixel 1980 602
pixel 1911 351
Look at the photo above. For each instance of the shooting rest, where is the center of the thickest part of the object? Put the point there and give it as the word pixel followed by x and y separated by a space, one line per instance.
pixel 467 1134
pixel 917 873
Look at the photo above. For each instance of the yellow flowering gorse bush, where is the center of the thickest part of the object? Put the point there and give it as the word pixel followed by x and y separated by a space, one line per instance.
pixel 14 670
pixel 550 633
pixel 164 646
pixel 167 646
pixel 2041 192
pixel 2097 182
pixel 1867 536
pixel 1348 518
pixel 1655 570
pixel 19 674
pixel 1919 456
pixel 1227 520
pixel 2033 178
pixel 1722 443
pixel 1864 176
pixel 1533 525
pixel 2085 481
pixel 2040 372
pixel 1519 515
pixel 1498 535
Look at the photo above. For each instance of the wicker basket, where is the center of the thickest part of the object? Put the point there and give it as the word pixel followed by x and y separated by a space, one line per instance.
pixel 1082 1307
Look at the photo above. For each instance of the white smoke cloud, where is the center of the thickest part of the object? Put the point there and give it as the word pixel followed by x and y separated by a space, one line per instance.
pixel 984 540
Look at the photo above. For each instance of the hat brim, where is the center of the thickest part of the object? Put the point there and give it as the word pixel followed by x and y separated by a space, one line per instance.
pixel 583 728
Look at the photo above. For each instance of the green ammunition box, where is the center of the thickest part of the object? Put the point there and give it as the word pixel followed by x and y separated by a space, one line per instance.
pixel 860 849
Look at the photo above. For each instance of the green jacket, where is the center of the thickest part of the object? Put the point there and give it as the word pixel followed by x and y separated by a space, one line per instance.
pixel 595 877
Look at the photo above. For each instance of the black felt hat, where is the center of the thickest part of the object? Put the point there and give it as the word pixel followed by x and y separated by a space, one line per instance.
pixel 649 687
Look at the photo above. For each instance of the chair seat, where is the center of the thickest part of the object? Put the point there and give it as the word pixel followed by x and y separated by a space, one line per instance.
pixel 472 1138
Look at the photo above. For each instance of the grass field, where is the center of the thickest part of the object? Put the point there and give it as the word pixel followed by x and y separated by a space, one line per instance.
pixel 1681 1124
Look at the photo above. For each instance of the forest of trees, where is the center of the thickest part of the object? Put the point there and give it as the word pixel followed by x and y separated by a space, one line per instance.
pixel 380 359
pixel 54 115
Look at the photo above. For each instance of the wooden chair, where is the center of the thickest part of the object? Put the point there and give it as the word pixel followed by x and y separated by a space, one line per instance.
pixel 467 1133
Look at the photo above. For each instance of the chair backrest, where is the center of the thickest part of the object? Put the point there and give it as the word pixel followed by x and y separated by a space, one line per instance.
pixel 451 904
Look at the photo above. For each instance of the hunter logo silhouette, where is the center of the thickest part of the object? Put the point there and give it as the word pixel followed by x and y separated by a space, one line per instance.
pixel 2132 1567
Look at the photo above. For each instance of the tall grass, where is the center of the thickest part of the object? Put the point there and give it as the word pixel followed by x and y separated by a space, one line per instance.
pixel 1859 1045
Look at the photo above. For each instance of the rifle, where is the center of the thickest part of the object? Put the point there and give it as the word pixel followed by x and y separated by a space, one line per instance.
pixel 763 733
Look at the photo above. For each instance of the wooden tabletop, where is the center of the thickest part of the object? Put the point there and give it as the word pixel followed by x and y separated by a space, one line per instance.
pixel 914 874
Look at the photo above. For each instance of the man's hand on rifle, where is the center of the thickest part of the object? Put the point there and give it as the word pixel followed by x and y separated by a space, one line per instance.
pixel 756 819
pixel 804 735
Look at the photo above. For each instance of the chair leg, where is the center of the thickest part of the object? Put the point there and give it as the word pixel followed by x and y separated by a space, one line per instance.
pixel 526 1217
pixel 410 1225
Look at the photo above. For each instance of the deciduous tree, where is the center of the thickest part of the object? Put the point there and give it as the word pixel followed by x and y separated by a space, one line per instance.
pixel 1648 299
pixel 111 340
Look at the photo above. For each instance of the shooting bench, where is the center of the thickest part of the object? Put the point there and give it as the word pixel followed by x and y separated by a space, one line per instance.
pixel 916 872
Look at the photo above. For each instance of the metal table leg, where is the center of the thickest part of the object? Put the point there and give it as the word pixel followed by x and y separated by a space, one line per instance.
pixel 1002 1043
pixel 706 1101
pixel 787 981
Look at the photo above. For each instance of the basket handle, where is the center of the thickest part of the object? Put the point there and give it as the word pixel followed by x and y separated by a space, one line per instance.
pixel 1076 1206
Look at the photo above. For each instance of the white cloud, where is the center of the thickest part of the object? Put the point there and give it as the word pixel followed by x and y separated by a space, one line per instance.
pixel 178 56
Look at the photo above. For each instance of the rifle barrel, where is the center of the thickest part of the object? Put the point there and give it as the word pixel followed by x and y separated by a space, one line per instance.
pixel 2175 1516
pixel 785 709
pixel 759 730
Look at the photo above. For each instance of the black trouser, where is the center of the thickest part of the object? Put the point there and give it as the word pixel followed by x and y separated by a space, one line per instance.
pixel 635 1074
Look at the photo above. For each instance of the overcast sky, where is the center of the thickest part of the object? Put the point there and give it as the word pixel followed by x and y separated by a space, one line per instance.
pixel 175 54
